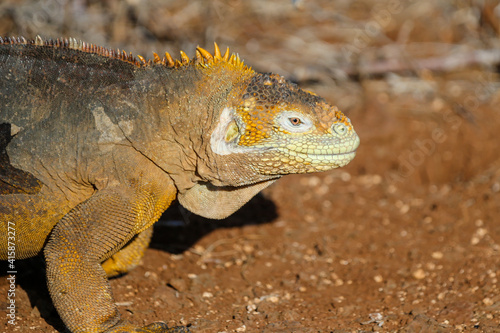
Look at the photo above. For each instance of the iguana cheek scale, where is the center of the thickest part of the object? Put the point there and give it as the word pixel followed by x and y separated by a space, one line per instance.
pixel 95 144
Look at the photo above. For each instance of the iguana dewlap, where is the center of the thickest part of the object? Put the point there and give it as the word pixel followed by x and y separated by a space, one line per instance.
pixel 95 145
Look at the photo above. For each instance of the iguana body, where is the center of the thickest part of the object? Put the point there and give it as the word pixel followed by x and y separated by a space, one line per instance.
pixel 95 145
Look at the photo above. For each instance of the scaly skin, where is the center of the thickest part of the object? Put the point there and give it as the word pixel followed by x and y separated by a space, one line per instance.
pixel 95 145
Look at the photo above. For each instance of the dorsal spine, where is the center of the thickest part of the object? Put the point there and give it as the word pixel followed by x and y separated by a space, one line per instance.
pixel 202 58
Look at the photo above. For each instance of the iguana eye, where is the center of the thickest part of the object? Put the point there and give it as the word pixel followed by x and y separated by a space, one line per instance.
pixel 294 122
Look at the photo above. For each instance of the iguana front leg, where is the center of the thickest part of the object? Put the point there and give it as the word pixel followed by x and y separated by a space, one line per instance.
pixel 129 256
pixel 89 234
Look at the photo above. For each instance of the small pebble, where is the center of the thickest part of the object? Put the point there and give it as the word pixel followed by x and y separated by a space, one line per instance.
pixel 419 274
pixel 487 301
pixel 437 255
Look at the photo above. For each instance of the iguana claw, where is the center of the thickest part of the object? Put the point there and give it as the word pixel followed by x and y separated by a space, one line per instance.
pixel 179 329
pixel 158 327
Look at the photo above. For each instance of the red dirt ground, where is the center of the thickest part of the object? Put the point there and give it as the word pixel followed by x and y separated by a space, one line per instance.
pixel 404 239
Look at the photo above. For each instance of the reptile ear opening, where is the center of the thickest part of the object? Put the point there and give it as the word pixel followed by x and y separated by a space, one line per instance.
pixel 223 140
pixel 232 131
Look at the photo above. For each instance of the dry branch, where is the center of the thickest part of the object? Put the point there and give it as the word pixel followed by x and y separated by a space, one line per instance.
pixel 451 62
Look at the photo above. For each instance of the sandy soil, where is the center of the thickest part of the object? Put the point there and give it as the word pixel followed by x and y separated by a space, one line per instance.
pixel 404 239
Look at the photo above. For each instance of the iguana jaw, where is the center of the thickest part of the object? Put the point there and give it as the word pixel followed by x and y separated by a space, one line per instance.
pixel 325 153
pixel 292 159
pixel 291 162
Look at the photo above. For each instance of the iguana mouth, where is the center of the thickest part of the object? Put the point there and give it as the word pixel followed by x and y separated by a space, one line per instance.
pixel 323 160
pixel 326 156
pixel 320 152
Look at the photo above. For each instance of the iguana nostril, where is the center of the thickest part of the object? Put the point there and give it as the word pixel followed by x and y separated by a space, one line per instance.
pixel 339 129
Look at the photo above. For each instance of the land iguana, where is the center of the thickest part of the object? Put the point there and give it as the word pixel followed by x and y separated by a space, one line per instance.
pixel 95 144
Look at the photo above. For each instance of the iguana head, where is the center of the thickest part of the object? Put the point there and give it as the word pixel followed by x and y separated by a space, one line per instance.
pixel 255 128
pixel 268 127
pixel 282 129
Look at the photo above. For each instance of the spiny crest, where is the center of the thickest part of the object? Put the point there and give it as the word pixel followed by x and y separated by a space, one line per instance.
pixel 206 59
pixel 203 58
pixel 74 44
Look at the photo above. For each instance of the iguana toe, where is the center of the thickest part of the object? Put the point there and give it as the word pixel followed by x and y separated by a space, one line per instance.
pixel 157 327
pixel 163 328
pixel 179 329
